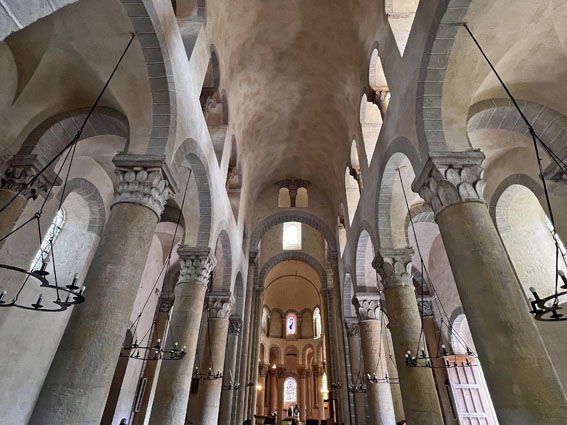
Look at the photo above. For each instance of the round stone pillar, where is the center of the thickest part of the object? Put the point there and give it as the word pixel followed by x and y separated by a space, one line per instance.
pixel 302 372
pixel 419 394
pixel 355 354
pixel 15 193
pixel 77 385
pixel 174 382
pixel 523 384
pixel 220 307
pixel 273 402
pixel 229 378
pixel 261 399
pixel 381 406
pixel 280 378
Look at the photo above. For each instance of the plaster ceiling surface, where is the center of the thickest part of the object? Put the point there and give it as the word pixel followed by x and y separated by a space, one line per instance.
pixel 527 45
pixel 286 291
pixel 293 72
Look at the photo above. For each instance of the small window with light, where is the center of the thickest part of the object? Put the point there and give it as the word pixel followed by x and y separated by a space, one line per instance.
pixel 291 324
pixel 291 235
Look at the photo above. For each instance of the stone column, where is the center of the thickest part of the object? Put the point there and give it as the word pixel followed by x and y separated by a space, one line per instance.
pixel 419 395
pixel 273 391
pixel 523 384
pixel 243 372
pixel 302 372
pixel 76 387
pixel 353 334
pixel 261 400
pixel 381 407
pixel 255 342
pixel 174 382
pixel 309 385
pixel 19 171
pixel 220 307
pixel 229 377
pixel 280 378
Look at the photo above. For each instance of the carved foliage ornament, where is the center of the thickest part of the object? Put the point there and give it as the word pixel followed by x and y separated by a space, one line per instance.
pixel 352 329
pixel 220 306
pixel 367 306
pixel 20 170
pixel 234 326
pixel 451 178
pixel 195 267
pixel 394 267
pixel 144 186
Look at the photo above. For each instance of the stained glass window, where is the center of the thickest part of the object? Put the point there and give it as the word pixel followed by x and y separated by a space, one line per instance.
pixel 291 324
pixel 43 253
pixel 290 390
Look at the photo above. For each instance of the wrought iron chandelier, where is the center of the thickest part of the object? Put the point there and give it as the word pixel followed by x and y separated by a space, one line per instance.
pixel 61 296
pixel 543 308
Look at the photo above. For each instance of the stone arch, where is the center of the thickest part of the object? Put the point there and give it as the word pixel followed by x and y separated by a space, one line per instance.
pixel 274 355
pixel 296 216
pixel 352 192
pixel 304 351
pixel 238 308
pixel 55 132
pixel 223 255
pixel 292 256
pixel 348 294
pixel 420 214
pixel 365 275
pixel 190 154
pixel 391 236
pixel 90 193
pixel 155 50
pixel 401 14
pixel 442 32
pixel 501 114
pixel 502 196
pixel 190 8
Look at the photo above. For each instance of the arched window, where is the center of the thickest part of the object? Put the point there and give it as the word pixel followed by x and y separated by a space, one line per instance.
pixel 291 235
pixel 290 390
pixel 284 200
pixel 47 243
pixel 302 200
pixel 291 324
pixel 317 323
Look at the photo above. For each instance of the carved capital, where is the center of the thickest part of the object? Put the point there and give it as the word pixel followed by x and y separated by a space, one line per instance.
pixel 425 305
pixel 165 303
pixel 263 369
pixel 20 170
pixel 352 329
pixel 144 180
pixel 367 306
pixel 302 372
pixel 234 326
pixel 450 178
pixel 394 267
pixel 280 372
pixel 196 265
pixel 220 305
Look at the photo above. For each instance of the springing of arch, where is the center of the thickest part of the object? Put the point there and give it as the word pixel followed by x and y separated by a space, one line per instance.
pixel 50 136
pixel 400 151
pixel 501 114
pixel 352 192
pixel 190 154
pixel 365 274
pixel 401 14
pixel 439 43
pixel 298 216
pixel 93 198
pixel 223 254
pixel 154 47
